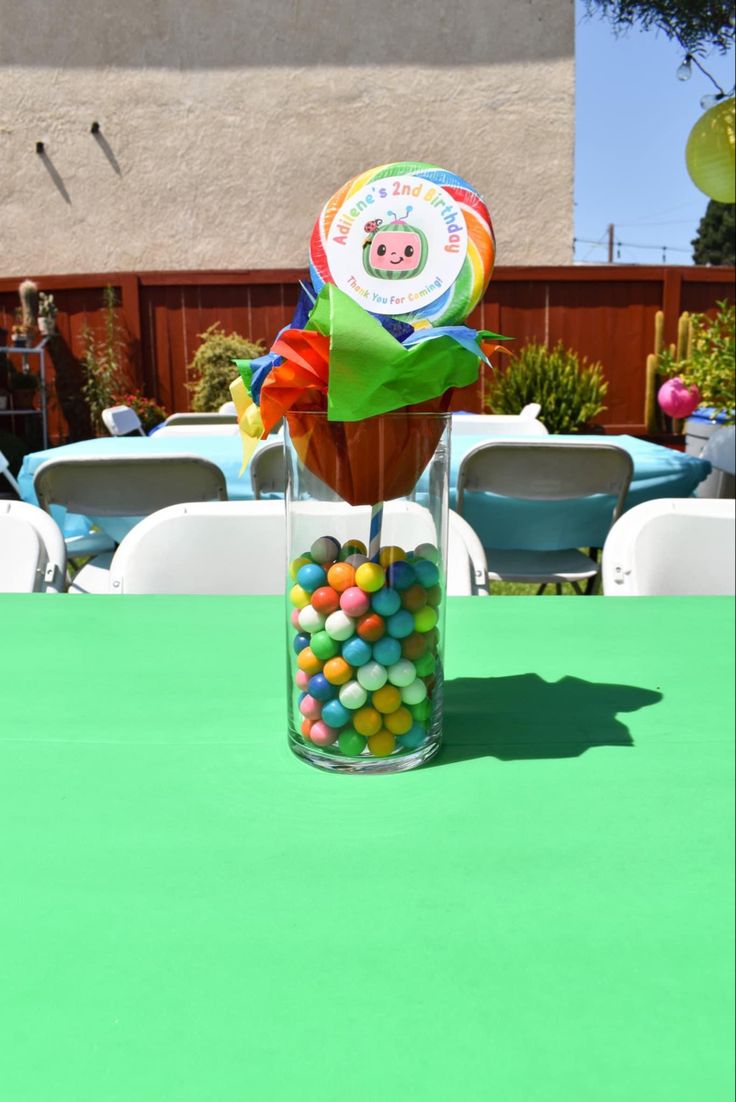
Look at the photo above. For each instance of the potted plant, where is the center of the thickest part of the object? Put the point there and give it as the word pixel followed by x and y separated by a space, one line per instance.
pixel 150 413
pixel 212 366
pixel 18 333
pixel 47 312
pixel 570 393
pixel 23 386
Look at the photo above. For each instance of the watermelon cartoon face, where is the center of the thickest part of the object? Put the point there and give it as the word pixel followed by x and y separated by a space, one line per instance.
pixel 395 251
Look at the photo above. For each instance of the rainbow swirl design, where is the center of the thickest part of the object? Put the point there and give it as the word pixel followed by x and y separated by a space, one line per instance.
pixel 457 302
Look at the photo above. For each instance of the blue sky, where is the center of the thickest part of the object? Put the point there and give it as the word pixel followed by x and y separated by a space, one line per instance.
pixel 633 120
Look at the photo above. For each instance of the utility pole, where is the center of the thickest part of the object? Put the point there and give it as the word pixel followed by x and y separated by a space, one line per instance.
pixel 610 243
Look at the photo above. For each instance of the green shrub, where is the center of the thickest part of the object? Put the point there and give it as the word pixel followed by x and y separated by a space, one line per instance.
pixel 212 367
pixel 104 363
pixel 570 394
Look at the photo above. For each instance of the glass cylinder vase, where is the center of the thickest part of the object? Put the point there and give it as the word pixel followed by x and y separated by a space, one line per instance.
pixel 366 530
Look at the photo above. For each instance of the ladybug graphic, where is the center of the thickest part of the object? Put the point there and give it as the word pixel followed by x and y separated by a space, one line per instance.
pixel 371 227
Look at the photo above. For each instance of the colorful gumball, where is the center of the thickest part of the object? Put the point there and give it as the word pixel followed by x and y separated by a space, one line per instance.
pixel 427 551
pixel 370 577
pixel 421 711
pixel 356 560
pixel 371 627
pixel 306 727
pixel 387 699
pixel 351 743
pixel 413 598
pixel 352 547
pixel 387 651
pixel 320 688
pixel 371 676
pixel 337 671
pixel 357 651
pixel 310 708
pixel 414 693
pixel 400 575
pixel 367 721
pixel 434 595
pixel 339 626
pixel 310 620
pixel 399 722
pixel 325 600
pixel 401 624
pixel 426 665
pixel 311 576
pixel 308 661
pixel 322 734
pixel 402 672
pixel 381 744
pixel 386 602
pixel 678 400
pixel 335 713
pixel 300 641
pixel 323 645
pixel 325 549
pixel 387 555
pixel 425 619
pixel 355 601
pixel 427 572
pixel 341 576
pixel 413 645
pixel 301 680
pixel 352 695
pixel 413 738
pixel 294 617
pixel 298 596
pixel 296 565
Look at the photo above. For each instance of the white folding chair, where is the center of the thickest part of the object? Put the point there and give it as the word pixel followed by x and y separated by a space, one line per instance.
pixel 32 551
pixel 239 547
pixel 541 471
pixel 228 408
pixel 492 424
pixel 123 486
pixel 201 419
pixel 121 420
pixel 682 546
pixel 268 470
pixel 5 471
pixel 720 451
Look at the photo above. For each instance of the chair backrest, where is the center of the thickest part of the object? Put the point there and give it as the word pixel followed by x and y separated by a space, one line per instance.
pixel 121 486
pixel 541 471
pixel 720 451
pixel 491 424
pixel 268 470
pixel 672 547
pixel 5 470
pixel 32 550
pixel 202 419
pixel 239 547
pixel 467 568
pixel 120 420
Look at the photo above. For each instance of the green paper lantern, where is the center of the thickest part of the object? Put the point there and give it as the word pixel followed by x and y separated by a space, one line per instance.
pixel 710 152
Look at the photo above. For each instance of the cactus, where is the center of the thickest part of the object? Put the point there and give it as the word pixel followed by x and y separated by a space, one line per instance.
pixel 28 292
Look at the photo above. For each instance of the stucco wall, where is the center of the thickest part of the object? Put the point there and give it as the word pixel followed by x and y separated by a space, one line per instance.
pixel 226 124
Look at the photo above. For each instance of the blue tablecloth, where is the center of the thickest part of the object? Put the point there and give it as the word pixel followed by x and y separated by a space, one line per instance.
pixel 658 472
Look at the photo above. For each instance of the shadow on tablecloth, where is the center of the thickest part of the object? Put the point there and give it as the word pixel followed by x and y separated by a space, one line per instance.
pixel 524 717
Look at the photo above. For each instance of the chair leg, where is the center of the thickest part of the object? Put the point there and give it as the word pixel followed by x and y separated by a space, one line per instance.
pixel 576 587
pixel 558 588
pixel 541 589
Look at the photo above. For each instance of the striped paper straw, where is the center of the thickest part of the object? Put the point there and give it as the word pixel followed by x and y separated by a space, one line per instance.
pixel 374 542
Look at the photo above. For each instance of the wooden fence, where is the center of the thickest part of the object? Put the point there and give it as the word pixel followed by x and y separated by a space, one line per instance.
pixel 604 313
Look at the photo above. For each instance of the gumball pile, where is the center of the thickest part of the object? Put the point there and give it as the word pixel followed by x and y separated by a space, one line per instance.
pixel 366 644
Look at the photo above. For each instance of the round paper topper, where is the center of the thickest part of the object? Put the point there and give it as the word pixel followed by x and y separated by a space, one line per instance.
pixel 407 240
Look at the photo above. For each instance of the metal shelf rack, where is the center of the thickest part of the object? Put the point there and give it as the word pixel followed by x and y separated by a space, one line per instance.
pixel 24 352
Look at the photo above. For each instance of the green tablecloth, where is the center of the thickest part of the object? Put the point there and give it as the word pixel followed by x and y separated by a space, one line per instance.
pixel 189 913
